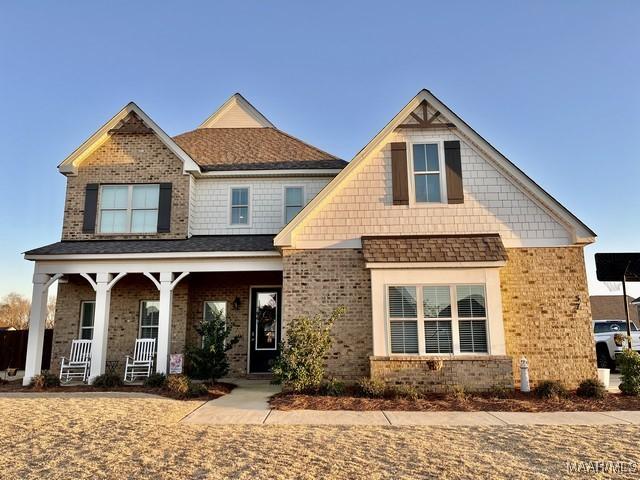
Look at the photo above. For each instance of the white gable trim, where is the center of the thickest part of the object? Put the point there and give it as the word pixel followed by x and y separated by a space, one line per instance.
pixel 70 164
pixel 236 101
pixel 580 233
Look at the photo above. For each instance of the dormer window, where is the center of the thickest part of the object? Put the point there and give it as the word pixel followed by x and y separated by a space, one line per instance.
pixel 129 208
pixel 427 173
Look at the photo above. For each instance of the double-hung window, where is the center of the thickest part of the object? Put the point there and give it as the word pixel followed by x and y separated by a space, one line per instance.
pixel 213 308
pixel 293 202
pixel 437 319
pixel 403 319
pixel 129 208
pixel 426 173
pixel 87 313
pixel 240 206
pixel 149 319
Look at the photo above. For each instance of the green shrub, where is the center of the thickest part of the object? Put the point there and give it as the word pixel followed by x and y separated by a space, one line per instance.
pixel 155 380
pixel 300 366
pixel 591 388
pixel 410 392
pixel 372 388
pixel 500 392
pixel 107 380
pixel 45 380
pixel 457 392
pixel 197 389
pixel 333 388
pixel 178 385
pixel 209 361
pixel 629 365
pixel 550 389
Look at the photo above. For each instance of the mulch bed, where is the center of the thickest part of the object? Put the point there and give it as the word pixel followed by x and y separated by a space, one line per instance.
pixel 214 391
pixel 514 402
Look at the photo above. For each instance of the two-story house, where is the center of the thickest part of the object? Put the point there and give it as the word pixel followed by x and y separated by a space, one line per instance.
pixel 439 247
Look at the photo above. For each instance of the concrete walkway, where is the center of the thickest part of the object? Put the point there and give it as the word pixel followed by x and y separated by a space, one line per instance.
pixel 249 404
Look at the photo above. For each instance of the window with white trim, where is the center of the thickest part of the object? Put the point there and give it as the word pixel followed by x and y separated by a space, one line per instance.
pixel 437 319
pixel 240 206
pixel 129 208
pixel 293 202
pixel 403 319
pixel 212 308
pixel 87 315
pixel 426 173
pixel 149 319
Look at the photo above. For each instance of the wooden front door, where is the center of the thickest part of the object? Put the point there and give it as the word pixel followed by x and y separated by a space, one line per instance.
pixel 265 318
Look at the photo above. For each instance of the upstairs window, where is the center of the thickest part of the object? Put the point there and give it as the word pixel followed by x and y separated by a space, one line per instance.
pixel 240 206
pixel 129 208
pixel 293 202
pixel 427 173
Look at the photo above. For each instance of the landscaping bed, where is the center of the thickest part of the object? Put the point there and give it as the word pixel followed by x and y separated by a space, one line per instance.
pixel 213 391
pixel 510 402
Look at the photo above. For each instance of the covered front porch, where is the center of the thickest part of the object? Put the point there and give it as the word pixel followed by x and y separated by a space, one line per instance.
pixel 114 301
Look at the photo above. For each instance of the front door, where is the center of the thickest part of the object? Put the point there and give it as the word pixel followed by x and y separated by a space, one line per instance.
pixel 265 328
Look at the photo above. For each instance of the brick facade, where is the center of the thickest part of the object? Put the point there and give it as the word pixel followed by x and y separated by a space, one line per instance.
pixel 547 316
pixel 316 282
pixel 124 315
pixel 128 158
pixel 226 286
pixel 472 373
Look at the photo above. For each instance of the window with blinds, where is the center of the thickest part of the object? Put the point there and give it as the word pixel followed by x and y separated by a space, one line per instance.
pixel 437 319
pixel 472 323
pixel 403 319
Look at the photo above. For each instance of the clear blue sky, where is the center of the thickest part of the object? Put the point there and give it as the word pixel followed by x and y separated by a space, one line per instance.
pixel 553 85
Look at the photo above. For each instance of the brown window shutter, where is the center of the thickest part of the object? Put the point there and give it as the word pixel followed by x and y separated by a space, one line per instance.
pixel 90 208
pixel 164 208
pixel 399 176
pixel 453 163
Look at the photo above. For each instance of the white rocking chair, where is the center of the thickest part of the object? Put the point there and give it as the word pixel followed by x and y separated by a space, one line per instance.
pixel 141 365
pixel 78 365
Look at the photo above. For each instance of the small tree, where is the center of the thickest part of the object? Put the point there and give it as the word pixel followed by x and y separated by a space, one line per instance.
pixel 300 366
pixel 629 364
pixel 210 362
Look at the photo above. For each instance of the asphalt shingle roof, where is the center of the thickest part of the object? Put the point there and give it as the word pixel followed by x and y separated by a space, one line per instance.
pixel 197 243
pixel 217 149
pixel 434 248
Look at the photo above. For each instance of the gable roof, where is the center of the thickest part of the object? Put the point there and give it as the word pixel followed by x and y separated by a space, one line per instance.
pixel 580 232
pixel 236 112
pixel 70 164
pixel 216 149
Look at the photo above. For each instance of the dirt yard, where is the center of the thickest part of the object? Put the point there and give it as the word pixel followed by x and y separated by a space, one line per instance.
pixel 141 438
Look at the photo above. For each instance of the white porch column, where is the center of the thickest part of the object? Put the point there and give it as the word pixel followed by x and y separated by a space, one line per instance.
pixel 100 325
pixel 103 284
pixel 37 320
pixel 164 321
pixel 166 285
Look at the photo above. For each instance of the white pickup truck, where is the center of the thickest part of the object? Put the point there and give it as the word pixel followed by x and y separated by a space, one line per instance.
pixel 611 340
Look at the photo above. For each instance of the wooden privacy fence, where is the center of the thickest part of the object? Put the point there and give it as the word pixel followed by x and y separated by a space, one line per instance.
pixel 13 349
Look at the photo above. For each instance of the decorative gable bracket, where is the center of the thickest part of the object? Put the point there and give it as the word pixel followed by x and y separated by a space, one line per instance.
pixel 426 121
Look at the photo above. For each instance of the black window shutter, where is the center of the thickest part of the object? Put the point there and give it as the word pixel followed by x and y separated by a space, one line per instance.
pixel 453 163
pixel 90 208
pixel 164 208
pixel 399 177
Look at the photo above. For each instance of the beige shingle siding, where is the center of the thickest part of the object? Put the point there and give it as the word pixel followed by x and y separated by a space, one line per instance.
pixel 492 204
pixel 435 248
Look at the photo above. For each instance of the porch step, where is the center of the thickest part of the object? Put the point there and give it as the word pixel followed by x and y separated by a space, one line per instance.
pixel 259 376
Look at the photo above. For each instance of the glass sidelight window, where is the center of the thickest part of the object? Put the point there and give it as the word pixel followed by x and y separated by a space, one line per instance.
pixel 266 316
